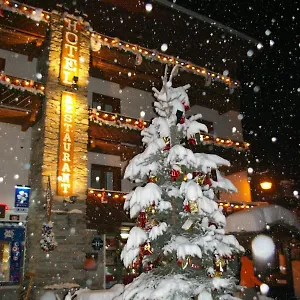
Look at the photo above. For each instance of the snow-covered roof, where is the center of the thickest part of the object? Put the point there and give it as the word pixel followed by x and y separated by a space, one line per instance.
pixel 257 219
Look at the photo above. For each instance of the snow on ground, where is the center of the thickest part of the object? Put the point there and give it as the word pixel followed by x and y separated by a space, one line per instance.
pixel 110 294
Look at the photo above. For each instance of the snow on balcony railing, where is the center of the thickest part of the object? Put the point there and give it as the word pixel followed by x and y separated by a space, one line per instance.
pixel 36 14
pixel 22 84
pixel 116 120
pixel 105 196
pixel 98 39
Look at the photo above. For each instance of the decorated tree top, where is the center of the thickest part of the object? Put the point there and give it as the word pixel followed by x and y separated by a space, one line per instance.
pixel 179 240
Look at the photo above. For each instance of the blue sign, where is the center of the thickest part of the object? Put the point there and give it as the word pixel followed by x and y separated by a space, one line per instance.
pixel 15 262
pixel 97 243
pixel 15 236
pixel 22 195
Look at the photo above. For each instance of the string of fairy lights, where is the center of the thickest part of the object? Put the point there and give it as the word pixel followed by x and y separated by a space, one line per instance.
pixel 24 9
pixel 137 50
pixel 106 196
pixel 20 83
pixel 163 58
pixel 117 120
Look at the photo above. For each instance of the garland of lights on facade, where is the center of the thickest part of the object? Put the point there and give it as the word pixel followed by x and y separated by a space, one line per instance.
pixel 105 196
pixel 97 40
pixel 22 84
pixel 119 121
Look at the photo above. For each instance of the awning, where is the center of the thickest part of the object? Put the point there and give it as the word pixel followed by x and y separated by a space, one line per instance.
pixel 257 219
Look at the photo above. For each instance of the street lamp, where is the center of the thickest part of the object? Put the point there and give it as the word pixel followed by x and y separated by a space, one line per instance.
pixel 266 185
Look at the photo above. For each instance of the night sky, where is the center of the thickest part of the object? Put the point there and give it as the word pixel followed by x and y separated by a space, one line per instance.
pixel 273 112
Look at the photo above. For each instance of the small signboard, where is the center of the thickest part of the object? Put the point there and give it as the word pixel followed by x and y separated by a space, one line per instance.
pixel 14 217
pixel 97 243
pixel 22 196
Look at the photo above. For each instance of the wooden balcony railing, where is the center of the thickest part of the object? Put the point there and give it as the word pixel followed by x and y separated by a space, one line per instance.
pixel 106 196
pixel 20 100
pixel 123 122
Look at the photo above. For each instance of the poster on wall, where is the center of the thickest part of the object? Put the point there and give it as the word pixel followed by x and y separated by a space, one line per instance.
pixel 22 196
pixel 12 239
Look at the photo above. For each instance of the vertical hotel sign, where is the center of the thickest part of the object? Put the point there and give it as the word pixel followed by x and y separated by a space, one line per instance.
pixel 66 144
pixel 69 52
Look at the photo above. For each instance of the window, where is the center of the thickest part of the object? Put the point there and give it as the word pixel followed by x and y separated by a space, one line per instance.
pixel 2 64
pixel 209 125
pixel 106 103
pixel 106 177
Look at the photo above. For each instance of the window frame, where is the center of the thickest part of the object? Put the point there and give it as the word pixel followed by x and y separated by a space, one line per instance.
pixel 103 169
pixel 101 100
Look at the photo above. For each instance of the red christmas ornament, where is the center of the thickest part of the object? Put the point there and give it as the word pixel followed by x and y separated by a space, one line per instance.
pixel 207 180
pixel 186 107
pixel 192 141
pixel 182 120
pixel 142 219
pixel 168 143
pixel 175 174
pixel 187 208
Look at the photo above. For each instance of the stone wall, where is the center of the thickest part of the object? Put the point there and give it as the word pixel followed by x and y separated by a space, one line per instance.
pixel 65 263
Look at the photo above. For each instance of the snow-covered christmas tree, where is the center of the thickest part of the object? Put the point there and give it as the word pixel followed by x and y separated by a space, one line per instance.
pixel 179 241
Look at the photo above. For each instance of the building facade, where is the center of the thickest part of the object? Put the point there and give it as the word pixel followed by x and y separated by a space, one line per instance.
pixel 73 101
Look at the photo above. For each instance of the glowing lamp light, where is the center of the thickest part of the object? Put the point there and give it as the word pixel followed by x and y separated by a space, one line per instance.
pixel 266 185
pixel 124 234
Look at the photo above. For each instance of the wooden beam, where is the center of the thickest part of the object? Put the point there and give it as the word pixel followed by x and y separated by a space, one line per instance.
pixel 124 151
pixel 31 118
pixel 11 116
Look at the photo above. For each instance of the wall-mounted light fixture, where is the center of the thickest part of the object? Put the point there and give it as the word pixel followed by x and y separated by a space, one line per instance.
pixel 74 83
pixel 124 232
pixel 266 185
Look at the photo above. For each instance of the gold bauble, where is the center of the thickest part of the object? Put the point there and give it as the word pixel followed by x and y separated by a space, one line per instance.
pixel 193 206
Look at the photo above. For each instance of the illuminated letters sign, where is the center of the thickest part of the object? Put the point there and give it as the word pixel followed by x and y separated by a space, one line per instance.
pixel 69 52
pixel 66 144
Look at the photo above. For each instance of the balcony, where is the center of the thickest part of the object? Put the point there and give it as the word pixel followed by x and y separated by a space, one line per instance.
pixel 112 133
pixel 105 211
pixel 20 29
pixel 20 100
